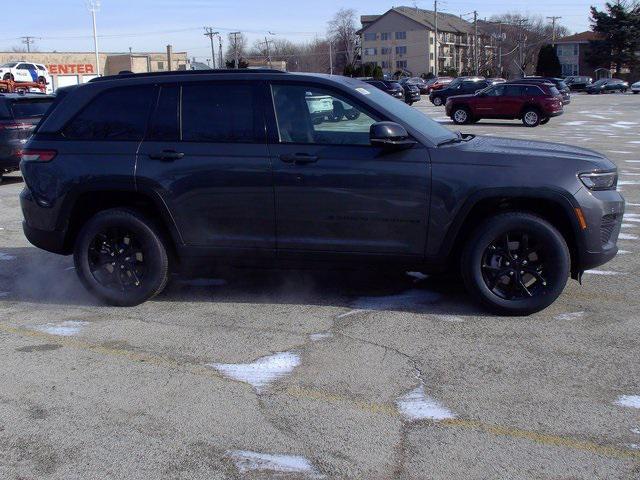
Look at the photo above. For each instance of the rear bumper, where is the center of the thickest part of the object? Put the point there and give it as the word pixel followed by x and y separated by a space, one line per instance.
pixel 38 226
pixel 51 241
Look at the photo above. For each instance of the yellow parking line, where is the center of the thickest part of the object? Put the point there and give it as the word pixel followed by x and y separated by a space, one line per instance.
pixel 332 398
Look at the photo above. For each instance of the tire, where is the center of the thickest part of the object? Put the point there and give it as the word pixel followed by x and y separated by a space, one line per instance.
pixel 7 76
pixel 545 120
pixel 145 271
pixel 636 92
pixel 410 103
pixel 437 101
pixel 461 116
pixel 531 117
pixel 489 269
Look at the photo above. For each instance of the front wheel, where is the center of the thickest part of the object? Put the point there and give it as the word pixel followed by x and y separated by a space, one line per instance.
pixel 516 264
pixel 121 258
pixel 437 101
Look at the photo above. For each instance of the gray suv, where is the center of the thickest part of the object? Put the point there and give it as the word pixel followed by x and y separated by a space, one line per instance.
pixel 138 176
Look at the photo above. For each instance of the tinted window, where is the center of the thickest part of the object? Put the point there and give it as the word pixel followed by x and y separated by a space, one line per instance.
pixel 513 90
pixel 165 124
pixel 533 91
pixel 31 108
pixel 495 91
pixel 221 112
pixel 307 114
pixel 118 114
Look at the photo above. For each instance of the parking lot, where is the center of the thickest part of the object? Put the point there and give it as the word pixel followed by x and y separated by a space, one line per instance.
pixel 327 375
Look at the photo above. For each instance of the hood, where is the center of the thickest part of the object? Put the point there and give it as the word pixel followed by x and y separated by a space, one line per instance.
pixel 514 153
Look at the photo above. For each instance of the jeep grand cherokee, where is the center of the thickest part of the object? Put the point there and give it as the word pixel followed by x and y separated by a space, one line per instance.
pixel 141 175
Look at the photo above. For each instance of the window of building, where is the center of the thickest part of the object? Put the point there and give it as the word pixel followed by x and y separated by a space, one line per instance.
pixel 370 51
pixel 370 37
pixel 401 64
pixel 431 56
pixel 220 113
pixel 384 36
pixel 401 50
pixel 431 40
pixel 160 65
pixel 117 114
pixel 312 115
pixel 575 49
pixel 401 35
pixel 384 64
pixel 385 50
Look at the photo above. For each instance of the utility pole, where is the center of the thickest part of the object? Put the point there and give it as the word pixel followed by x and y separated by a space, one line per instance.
pixel 235 48
pixel 28 41
pixel 475 42
pixel 94 6
pixel 553 29
pixel 220 64
pixel 330 58
pixel 210 33
pixel 435 42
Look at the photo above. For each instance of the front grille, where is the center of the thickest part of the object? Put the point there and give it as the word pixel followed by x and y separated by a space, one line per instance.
pixel 608 225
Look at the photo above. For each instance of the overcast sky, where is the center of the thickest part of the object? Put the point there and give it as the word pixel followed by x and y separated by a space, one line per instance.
pixel 149 25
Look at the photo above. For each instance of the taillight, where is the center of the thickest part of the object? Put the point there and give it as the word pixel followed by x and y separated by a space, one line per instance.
pixel 15 126
pixel 37 155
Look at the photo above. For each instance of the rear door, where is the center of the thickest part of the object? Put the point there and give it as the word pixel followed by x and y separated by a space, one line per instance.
pixel 205 154
pixel 337 194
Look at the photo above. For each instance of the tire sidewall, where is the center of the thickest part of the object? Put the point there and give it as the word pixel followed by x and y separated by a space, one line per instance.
pixel 467 117
pixel 155 257
pixel 472 262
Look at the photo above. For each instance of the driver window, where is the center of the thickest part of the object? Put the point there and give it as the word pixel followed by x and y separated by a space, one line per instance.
pixel 311 115
pixel 495 91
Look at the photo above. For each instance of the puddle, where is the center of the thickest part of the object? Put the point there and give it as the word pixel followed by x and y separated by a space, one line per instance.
pixel 569 316
pixel 402 301
pixel 631 401
pixel 317 337
pixel 262 372
pixel 416 405
pixel 67 328
pixel 247 461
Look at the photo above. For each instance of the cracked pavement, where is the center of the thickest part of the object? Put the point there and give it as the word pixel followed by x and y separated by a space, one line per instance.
pixel 98 392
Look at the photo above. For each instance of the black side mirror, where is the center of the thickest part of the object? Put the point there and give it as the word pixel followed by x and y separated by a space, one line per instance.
pixel 390 135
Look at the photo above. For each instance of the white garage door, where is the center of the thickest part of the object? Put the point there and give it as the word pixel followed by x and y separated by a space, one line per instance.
pixel 66 80
pixel 86 78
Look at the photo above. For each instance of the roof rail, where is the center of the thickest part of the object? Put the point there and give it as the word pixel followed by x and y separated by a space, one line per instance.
pixel 126 74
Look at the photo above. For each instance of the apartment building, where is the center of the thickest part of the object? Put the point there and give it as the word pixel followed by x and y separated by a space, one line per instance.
pixel 403 38
pixel 573 53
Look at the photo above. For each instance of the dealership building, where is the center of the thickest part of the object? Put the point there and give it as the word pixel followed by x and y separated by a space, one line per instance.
pixel 72 68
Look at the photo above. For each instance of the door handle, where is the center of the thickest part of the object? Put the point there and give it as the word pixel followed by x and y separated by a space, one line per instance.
pixel 299 158
pixel 166 155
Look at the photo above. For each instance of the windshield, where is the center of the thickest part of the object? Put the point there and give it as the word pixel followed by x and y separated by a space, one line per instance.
pixel 8 65
pixel 408 115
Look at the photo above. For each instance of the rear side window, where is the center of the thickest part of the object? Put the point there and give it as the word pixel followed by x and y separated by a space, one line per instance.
pixel 32 108
pixel 117 114
pixel 554 91
pixel 533 91
pixel 221 113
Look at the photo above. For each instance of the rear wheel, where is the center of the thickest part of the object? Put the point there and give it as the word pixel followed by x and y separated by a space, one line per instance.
pixel 437 101
pixel 531 117
pixel 121 258
pixel 461 115
pixel 516 264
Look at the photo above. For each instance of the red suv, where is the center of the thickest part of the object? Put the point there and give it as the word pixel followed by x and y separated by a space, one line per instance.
pixel 534 104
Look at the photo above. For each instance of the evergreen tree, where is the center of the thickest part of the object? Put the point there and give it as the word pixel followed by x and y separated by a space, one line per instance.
pixel 548 62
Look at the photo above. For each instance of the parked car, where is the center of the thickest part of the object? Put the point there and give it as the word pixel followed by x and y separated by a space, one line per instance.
pixel 635 88
pixel 25 72
pixel 19 115
pixel 562 87
pixel 411 93
pixel 460 86
pixel 439 83
pixel 141 175
pixel 393 88
pixel 578 83
pixel 608 85
pixel 496 80
pixel 534 104
pixel 418 82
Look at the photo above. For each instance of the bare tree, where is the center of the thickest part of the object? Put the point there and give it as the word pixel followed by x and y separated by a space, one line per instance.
pixel 236 41
pixel 342 35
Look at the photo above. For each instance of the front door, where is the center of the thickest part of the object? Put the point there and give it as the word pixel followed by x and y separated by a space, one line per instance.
pixel 334 191
pixel 487 104
pixel 205 153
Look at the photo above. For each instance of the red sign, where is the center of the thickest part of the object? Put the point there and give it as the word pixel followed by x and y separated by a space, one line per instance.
pixel 64 68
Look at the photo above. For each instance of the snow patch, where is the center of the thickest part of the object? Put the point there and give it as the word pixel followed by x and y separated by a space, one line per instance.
pixel 627 236
pixel 262 372
pixel 604 272
pixel 631 401
pixel 628 182
pixel 569 316
pixel 5 257
pixel 247 461
pixel 349 313
pixel 68 328
pixel 317 337
pixel 416 405
pixel 628 225
pixel 623 252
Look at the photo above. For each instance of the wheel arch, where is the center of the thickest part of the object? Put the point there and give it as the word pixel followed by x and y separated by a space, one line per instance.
pixel 528 106
pixel 553 206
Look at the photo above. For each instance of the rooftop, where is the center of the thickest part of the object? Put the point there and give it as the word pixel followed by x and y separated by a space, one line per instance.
pixel 447 22
pixel 582 37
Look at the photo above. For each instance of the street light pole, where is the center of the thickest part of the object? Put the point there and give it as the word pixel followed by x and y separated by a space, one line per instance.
pixel 94 6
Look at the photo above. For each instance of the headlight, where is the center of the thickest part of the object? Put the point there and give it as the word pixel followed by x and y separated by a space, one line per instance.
pixel 599 181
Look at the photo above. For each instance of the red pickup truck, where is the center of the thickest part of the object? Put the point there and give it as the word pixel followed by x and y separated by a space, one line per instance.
pixel 534 104
pixel 9 86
